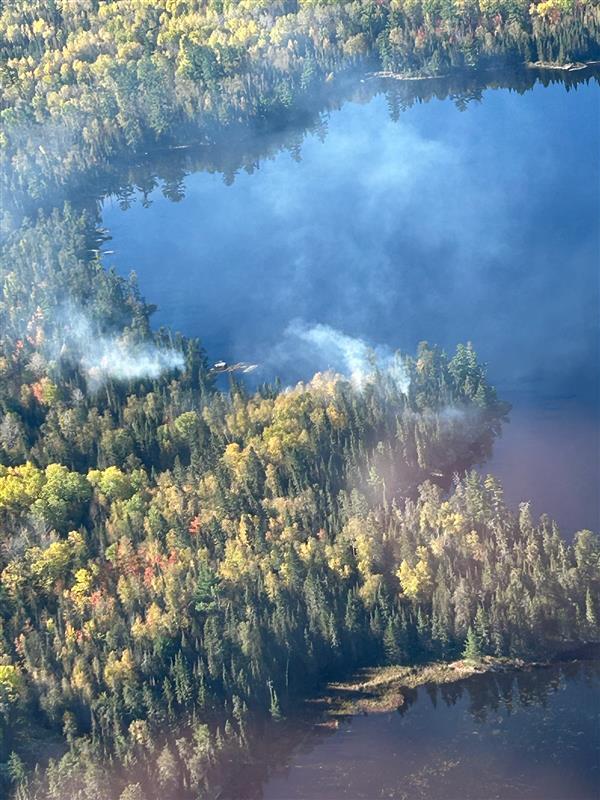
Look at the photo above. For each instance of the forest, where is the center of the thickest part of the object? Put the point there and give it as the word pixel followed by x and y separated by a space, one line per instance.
pixel 86 81
pixel 178 560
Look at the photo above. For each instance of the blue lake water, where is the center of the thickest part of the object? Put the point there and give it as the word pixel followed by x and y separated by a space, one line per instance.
pixel 444 225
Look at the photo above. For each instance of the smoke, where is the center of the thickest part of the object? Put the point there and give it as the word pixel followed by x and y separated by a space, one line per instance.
pixel 112 357
pixel 322 347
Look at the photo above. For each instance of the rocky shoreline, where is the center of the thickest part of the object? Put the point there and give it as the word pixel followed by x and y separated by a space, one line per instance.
pixel 383 689
pixel 575 66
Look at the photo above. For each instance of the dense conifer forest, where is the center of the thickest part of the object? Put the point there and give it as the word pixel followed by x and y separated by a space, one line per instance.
pixel 176 559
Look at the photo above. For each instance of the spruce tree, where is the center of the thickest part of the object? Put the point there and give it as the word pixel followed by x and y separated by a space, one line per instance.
pixel 390 644
pixel 472 651
pixel 590 612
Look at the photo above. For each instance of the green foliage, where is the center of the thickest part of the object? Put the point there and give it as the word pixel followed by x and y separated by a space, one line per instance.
pixel 81 81
pixel 472 650
pixel 256 553
pixel 174 559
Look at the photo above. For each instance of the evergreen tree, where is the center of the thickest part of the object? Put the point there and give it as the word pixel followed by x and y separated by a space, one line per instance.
pixel 391 649
pixel 472 649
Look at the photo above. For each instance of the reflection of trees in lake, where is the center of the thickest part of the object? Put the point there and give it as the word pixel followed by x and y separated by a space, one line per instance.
pixel 244 148
pixel 277 749
pixel 507 691
pixel 249 64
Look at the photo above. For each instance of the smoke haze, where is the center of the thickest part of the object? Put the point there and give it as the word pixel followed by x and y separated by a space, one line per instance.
pixel 111 357
pixel 324 347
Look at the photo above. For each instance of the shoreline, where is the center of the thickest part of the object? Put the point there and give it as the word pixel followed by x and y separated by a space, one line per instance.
pixel 375 690
pixel 571 66
pixel 369 690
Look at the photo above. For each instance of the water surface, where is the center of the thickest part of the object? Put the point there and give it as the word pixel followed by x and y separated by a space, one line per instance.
pixel 519 736
pixel 442 224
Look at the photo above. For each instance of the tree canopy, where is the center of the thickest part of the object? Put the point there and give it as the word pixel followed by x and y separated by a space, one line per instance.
pixel 84 81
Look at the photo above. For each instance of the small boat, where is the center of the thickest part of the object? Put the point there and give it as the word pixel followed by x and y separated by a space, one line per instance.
pixel 241 366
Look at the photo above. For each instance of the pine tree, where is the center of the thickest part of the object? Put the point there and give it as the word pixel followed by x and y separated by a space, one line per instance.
pixel 590 612
pixel 482 629
pixel 274 708
pixel 472 651
pixel 15 768
pixel 390 644
pixel 181 678
pixel 166 768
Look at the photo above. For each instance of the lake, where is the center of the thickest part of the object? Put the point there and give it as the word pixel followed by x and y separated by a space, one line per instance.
pixel 516 736
pixel 447 221
pixel 444 222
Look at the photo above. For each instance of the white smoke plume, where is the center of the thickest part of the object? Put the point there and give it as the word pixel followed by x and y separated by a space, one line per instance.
pixel 325 347
pixel 109 357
